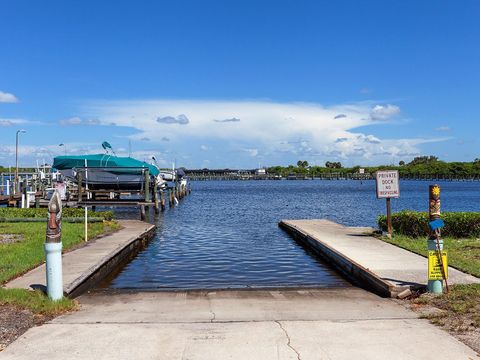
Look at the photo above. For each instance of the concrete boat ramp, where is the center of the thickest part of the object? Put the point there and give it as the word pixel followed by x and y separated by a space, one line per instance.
pixel 367 261
pixel 303 324
pixel 347 323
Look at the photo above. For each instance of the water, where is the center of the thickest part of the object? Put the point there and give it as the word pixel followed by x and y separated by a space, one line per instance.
pixel 226 235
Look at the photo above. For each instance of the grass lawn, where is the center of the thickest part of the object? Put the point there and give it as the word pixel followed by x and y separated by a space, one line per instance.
pixel 20 256
pixel 35 301
pixel 22 248
pixel 463 254
pixel 459 310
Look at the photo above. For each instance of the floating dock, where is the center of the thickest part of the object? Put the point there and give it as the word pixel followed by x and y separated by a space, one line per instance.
pixel 365 260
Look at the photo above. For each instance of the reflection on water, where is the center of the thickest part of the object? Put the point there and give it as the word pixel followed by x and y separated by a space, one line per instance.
pixel 225 234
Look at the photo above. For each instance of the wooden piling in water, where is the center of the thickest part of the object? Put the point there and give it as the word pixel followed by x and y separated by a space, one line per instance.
pixel 162 200
pixel 155 197
pixel 147 185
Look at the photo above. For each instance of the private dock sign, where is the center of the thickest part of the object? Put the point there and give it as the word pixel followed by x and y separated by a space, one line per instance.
pixel 387 184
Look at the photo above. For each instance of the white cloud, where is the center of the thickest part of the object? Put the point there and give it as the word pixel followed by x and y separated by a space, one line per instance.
pixel 383 112
pixel 7 97
pixel 71 121
pixel 251 152
pixel 443 128
pixel 28 154
pixel 180 119
pixel 227 120
pixel 204 147
pixel 79 121
pixel 11 122
pixel 266 127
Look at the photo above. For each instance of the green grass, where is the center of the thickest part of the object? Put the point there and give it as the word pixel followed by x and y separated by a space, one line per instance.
pixel 463 254
pixel 461 305
pixel 17 258
pixel 461 308
pixel 35 301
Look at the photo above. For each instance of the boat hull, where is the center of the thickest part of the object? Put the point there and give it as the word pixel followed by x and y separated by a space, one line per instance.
pixel 106 180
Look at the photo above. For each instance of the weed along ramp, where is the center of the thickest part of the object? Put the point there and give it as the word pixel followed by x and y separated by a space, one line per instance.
pixel 85 267
pixel 371 263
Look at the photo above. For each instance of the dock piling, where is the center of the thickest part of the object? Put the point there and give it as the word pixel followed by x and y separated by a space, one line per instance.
pixel 155 197
pixel 147 185
pixel 162 200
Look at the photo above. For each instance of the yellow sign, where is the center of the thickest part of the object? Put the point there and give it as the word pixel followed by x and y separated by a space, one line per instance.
pixel 434 268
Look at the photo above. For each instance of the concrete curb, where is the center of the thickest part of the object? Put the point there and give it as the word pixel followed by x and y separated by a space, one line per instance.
pixel 86 266
pixel 348 267
pixel 107 264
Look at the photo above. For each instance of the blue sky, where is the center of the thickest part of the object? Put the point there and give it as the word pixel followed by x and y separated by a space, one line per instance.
pixel 241 83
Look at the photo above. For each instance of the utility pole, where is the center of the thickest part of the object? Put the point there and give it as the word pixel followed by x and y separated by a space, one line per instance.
pixel 16 161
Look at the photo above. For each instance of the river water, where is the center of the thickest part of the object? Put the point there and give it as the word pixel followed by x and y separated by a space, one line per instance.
pixel 225 234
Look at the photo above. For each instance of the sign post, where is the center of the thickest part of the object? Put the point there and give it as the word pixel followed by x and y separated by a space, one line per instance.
pixel 388 187
pixel 437 257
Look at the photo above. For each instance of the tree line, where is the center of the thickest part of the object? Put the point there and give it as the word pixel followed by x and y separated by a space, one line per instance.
pixel 421 165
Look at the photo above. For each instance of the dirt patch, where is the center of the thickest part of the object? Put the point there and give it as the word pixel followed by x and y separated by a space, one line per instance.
pixel 14 322
pixel 10 238
pixel 463 327
pixel 457 313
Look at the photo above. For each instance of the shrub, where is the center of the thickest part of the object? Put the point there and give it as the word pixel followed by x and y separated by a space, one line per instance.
pixel 42 213
pixel 415 224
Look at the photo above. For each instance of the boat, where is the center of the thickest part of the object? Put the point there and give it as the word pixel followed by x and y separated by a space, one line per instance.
pixel 107 172
pixel 173 175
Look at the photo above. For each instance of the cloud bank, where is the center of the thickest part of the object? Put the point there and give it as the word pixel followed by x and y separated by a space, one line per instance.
pixel 267 129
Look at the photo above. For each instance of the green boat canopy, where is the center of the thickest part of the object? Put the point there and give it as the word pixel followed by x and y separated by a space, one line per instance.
pixel 101 160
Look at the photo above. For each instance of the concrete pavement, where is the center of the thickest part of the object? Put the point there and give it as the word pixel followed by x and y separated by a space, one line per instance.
pixel 347 323
pixel 381 267
pixel 84 266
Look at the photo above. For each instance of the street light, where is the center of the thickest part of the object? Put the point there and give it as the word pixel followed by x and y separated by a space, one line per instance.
pixel 64 147
pixel 16 160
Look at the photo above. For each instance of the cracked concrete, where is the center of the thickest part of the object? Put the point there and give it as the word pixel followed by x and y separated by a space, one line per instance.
pixel 307 324
pixel 289 341
pixel 210 308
